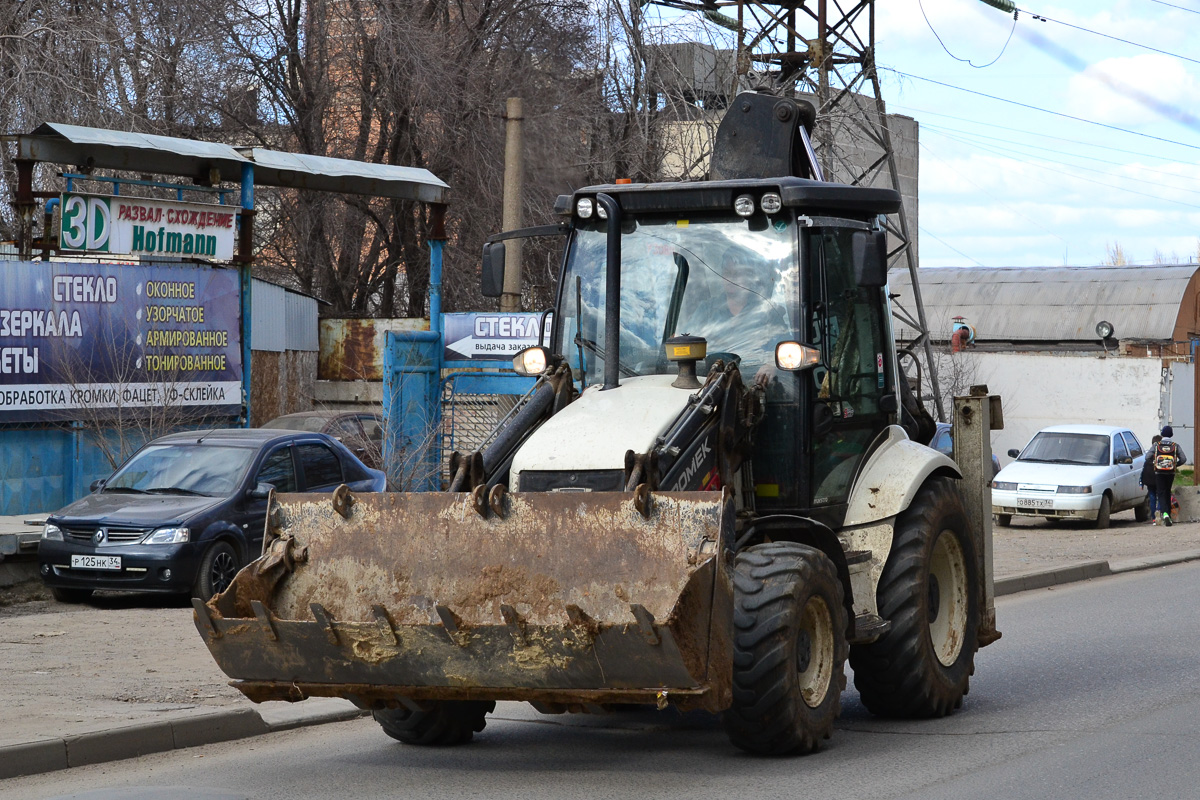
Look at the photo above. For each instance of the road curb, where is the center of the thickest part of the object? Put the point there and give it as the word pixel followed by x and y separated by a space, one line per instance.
pixel 1086 570
pixel 139 739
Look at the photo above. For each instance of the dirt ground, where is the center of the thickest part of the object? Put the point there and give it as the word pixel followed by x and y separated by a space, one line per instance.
pixel 124 658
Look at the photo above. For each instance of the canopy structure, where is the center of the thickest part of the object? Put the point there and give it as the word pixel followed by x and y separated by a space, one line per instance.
pixel 97 148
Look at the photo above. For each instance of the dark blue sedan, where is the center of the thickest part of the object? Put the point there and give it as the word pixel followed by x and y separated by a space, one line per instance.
pixel 188 510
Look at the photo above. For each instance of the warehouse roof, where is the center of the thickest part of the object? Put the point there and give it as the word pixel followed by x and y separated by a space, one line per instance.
pixel 1046 304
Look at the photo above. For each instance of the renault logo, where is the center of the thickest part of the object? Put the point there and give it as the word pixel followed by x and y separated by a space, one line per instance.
pixel 100 535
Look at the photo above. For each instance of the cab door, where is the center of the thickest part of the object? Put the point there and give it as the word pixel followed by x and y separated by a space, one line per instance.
pixel 849 324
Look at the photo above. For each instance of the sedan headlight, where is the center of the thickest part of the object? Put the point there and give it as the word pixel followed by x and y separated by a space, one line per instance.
pixel 1074 490
pixel 168 536
pixel 1004 486
pixel 52 532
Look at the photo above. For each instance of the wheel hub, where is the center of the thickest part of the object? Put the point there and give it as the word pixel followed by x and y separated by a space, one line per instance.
pixel 803 651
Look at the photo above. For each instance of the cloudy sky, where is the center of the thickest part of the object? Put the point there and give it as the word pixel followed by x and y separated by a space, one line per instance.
pixel 1085 144
pixel 1005 184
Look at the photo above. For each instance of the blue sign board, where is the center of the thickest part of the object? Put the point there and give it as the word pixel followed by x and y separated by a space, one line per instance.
pixel 110 336
pixel 486 336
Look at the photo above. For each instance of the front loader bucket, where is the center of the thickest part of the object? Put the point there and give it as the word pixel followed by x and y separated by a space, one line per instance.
pixel 553 597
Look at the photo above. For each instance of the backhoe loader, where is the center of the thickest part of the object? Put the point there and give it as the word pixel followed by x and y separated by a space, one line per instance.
pixel 711 498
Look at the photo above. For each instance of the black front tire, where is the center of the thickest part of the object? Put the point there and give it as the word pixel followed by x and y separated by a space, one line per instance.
pixel 445 723
pixel 1004 520
pixel 1104 515
pixel 789 649
pixel 929 591
pixel 73 596
pixel 217 568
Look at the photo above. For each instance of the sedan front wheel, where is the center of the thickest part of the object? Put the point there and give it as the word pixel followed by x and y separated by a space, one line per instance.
pixel 217 568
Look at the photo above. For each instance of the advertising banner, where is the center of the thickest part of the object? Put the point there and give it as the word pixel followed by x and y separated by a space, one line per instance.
pixel 94 337
pixel 138 226
pixel 483 336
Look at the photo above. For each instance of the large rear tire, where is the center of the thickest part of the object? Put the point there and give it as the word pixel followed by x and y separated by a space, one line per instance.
pixel 789 649
pixel 929 591
pixel 445 723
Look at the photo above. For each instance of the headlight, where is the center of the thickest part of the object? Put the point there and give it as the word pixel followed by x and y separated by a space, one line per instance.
pixel 168 536
pixel 743 206
pixel 794 356
pixel 601 212
pixel 1004 486
pixel 531 361
pixel 771 203
pixel 1074 490
pixel 52 532
pixel 584 207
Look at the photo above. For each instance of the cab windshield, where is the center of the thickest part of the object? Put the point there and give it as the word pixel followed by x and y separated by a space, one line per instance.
pixel 732 280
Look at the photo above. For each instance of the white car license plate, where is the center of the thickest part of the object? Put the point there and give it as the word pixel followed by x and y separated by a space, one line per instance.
pixel 1035 503
pixel 95 562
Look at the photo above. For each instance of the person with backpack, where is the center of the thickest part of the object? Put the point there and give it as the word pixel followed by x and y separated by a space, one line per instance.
pixel 1168 457
pixel 1147 481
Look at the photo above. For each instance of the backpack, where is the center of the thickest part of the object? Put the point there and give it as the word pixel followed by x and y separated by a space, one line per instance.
pixel 1165 457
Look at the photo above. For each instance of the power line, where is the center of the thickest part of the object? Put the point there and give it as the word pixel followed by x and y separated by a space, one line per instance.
pixel 941 129
pixel 967 61
pixel 994 199
pixel 1043 110
pixel 1033 133
pixel 1172 5
pixel 1043 18
pixel 948 246
pixel 1000 151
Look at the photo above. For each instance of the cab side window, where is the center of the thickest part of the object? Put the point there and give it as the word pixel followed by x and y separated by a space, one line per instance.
pixel 321 466
pixel 278 470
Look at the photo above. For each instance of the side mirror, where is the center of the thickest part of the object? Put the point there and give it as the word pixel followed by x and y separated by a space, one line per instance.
pixel 888 404
pixel 492 276
pixel 261 491
pixel 1013 453
pixel 868 253
pixel 98 484
pixel 1125 460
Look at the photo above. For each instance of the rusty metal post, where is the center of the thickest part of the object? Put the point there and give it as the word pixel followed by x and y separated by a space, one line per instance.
pixel 26 205
pixel 514 175
pixel 975 417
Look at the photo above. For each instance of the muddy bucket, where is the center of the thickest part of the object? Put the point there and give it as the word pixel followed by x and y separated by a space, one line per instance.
pixel 559 597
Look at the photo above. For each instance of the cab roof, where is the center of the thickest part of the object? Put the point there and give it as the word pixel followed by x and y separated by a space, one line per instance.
pixel 799 193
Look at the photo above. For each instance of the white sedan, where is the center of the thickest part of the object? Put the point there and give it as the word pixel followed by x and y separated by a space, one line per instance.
pixel 1084 472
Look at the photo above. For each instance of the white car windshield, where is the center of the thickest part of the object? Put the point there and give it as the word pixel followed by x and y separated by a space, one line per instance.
pixel 183 469
pixel 1089 449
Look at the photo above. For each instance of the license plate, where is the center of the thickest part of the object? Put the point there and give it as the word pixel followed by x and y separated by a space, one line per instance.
pixel 1035 503
pixel 95 562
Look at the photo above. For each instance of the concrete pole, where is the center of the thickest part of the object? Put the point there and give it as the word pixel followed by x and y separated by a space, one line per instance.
pixel 514 175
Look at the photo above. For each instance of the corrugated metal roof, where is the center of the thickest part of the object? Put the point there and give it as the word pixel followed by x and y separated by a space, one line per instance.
pixel 300 171
pixel 57 143
pixel 1046 304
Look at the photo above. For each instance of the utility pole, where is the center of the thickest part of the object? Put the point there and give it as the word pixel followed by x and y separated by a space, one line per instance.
pixel 514 176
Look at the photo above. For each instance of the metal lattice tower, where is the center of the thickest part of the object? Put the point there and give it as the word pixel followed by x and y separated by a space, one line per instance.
pixel 826 49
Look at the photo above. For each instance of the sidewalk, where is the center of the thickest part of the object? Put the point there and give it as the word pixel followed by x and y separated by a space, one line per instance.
pixel 128 675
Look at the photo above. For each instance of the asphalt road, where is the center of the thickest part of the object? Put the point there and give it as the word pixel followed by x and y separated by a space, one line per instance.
pixel 1094 692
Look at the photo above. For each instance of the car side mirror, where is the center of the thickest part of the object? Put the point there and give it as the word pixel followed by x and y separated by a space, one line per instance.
pixel 868 254
pixel 492 275
pixel 98 484
pixel 261 491
pixel 1013 453
pixel 1125 460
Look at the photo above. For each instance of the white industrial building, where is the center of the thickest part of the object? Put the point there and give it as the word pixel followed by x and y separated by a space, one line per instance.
pixel 1034 341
